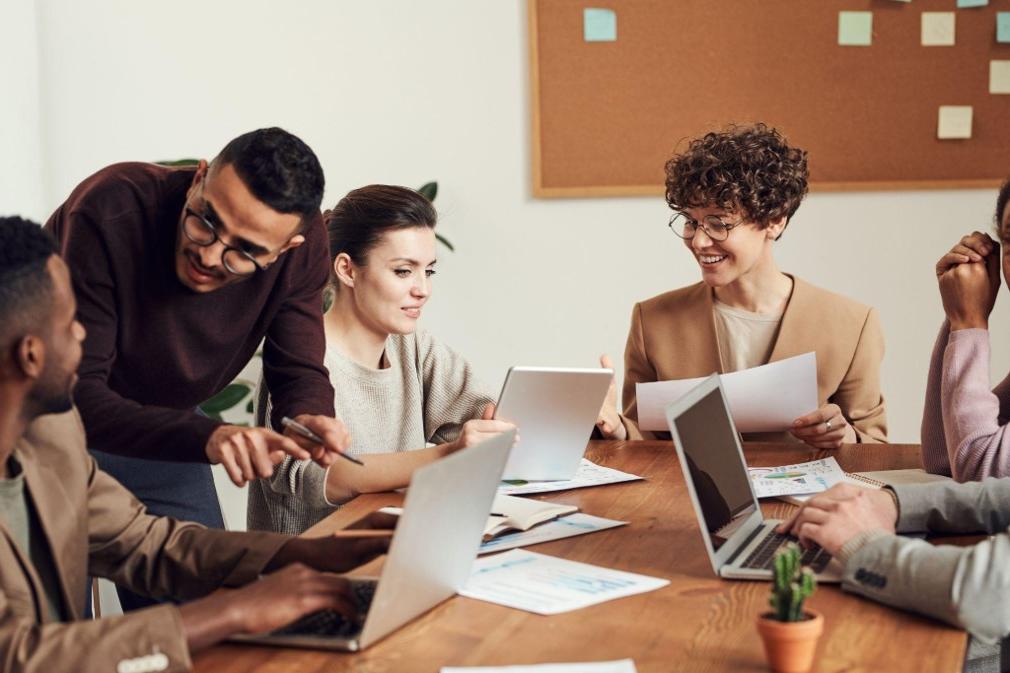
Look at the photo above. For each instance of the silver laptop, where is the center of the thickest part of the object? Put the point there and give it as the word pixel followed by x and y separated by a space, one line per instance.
pixel 430 557
pixel 555 410
pixel 740 542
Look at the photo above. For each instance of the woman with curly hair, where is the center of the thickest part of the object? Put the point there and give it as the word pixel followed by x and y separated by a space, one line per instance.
pixel 732 194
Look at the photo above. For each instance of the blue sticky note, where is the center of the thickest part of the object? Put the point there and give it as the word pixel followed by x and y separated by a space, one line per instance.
pixel 972 3
pixel 1003 26
pixel 599 25
pixel 855 29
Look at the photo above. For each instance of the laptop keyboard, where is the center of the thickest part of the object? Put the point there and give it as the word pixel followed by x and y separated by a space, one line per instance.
pixel 331 623
pixel 763 555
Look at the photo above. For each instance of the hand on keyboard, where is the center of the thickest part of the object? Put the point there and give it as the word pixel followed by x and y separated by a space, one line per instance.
pixel 832 518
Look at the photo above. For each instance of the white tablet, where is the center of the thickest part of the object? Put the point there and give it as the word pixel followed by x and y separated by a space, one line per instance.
pixel 555 410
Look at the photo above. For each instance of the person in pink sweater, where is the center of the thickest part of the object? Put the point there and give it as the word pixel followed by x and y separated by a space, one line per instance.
pixel 965 424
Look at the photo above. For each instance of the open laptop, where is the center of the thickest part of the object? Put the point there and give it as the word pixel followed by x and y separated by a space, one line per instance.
pixel 741 543
pixel 429 559
pixel 555 410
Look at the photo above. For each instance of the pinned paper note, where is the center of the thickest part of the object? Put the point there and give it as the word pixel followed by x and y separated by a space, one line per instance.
pixel 855 29
pixel 1003 27
pixel 938 29
pixel 999 76
pixel 954 122
pixel 599 25
pixel 971 3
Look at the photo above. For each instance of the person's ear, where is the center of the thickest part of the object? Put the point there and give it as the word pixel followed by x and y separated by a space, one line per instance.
pixel 198 177
pixel 343 267
pixel 776 227
pixel 30 356
pixel 292 243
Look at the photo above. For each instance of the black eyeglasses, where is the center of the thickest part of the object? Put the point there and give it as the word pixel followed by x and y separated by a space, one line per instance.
pixel 201 231
pixel 686 227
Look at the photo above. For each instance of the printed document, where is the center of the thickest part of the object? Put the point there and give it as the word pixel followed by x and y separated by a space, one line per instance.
pixel 800 479
pixel 588 474
pixel 566 526
pixel 762 399
pixel 622 666
pixel 547 585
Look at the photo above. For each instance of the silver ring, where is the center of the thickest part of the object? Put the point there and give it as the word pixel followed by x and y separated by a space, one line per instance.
pixel 827 424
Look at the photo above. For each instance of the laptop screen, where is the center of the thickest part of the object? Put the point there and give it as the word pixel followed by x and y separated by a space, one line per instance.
pixel 716 467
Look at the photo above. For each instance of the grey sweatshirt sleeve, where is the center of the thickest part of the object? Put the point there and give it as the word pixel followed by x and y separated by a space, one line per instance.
pixel 452 393
pixel 964 586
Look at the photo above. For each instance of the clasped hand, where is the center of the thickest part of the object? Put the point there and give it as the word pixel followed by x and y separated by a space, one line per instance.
pixel 969 281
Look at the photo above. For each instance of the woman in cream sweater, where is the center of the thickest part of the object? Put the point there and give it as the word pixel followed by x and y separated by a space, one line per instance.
pixel 396 388
pixel 732 194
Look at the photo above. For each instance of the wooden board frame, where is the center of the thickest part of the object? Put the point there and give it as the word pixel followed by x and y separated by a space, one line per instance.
pixel 542 188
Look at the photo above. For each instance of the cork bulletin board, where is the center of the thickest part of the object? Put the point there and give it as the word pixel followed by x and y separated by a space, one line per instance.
pixel 606 115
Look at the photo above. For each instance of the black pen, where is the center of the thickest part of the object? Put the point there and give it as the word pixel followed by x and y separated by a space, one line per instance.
pixel 300 429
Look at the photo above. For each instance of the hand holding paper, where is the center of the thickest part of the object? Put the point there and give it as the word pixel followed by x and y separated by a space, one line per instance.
pixel 768 398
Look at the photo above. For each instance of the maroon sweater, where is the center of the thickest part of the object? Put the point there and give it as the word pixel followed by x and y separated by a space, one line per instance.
pixel 155 349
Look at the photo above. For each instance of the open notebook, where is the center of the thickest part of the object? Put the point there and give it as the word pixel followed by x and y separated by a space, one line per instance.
pixel 511 513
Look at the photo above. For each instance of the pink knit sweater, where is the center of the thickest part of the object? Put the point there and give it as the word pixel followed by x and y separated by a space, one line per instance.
pixel 964 424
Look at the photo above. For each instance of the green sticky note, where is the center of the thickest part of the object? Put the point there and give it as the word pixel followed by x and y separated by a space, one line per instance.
pixel 855 29
pixel 1003 27
pixel 972 3
pixel 599 25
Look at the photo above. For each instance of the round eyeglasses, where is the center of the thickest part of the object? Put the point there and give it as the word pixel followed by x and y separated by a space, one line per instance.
pixel 686 227
pixel 199 230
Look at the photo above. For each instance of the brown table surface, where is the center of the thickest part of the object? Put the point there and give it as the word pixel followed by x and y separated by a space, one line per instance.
pixel 696 623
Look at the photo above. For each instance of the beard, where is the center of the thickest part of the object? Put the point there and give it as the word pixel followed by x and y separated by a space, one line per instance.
pixel 53 399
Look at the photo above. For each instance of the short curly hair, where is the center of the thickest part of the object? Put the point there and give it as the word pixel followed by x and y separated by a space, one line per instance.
pixel 747 169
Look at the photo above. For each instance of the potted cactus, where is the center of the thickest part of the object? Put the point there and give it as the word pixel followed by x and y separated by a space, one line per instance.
pixel 789 632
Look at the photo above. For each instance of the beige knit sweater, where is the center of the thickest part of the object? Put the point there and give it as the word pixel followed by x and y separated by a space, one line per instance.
pixel 425 395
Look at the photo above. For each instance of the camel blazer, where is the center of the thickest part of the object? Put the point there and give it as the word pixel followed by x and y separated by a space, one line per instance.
pixel 93 525
pixel 673 336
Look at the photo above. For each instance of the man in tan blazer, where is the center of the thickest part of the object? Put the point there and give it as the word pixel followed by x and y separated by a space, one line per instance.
pixel 62 519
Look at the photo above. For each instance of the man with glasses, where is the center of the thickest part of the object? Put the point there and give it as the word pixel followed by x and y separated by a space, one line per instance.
pixel 733 193
pixel 180 274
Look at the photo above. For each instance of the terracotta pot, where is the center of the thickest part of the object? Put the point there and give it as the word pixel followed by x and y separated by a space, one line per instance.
pixel 790 646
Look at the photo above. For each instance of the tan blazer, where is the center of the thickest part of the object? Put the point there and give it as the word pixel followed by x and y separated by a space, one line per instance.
pixel 673 336
pixel 94 525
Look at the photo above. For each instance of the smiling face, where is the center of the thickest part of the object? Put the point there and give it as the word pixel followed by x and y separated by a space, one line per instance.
pixel 241 221
pixel 744 251
pixel 393 285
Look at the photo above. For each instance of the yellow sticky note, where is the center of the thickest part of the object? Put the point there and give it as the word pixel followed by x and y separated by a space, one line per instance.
pixel 999 76
pixel 938 29
pixel 954 122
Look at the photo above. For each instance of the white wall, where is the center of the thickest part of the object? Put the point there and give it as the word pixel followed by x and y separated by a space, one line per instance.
pixel 406 92
pixel 20 129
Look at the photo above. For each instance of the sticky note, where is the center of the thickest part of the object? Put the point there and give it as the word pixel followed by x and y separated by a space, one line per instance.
pixel 599 25
pixel 1003 26
pixel 938 29
pixel 855 29
pixel 972 3
pixel 954 122
pixel 999 76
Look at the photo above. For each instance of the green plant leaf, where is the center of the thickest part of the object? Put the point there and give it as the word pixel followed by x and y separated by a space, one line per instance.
pixel 429 190
pixel 444 241
pixel 178 162
pixel 249 407
pixel 231 396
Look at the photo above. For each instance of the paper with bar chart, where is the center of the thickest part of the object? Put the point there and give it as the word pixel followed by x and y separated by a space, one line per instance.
pixel 547 585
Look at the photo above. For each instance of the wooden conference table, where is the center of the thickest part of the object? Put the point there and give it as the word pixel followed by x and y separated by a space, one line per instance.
pixel 696 623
